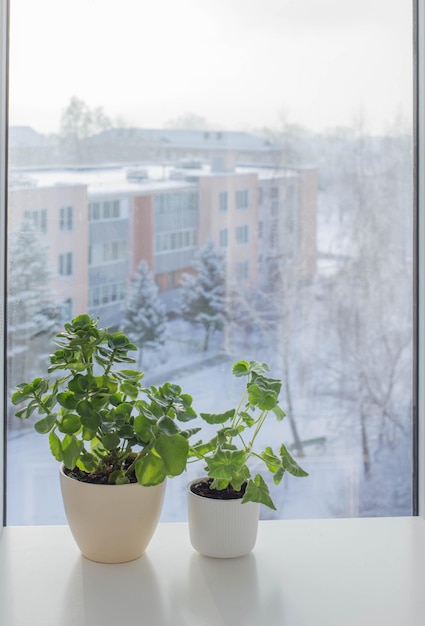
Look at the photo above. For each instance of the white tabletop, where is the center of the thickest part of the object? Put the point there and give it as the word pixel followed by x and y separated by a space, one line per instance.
pixel 301 573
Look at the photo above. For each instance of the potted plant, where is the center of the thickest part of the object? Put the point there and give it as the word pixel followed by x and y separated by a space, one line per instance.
pixel 117 441
pixel 224 505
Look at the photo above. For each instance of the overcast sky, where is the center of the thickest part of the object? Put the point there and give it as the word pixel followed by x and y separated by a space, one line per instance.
pixel 241 64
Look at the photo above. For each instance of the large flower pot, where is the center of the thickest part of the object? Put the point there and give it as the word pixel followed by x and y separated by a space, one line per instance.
pixel 111 523
pixel 221 528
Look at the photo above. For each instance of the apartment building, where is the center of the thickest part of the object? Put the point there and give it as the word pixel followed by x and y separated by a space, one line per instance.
pixel 58 216
pixel 230 220
pixel 287 208
pixel 100 222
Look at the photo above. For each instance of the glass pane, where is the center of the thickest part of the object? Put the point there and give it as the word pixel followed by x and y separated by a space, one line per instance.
pixel 271 141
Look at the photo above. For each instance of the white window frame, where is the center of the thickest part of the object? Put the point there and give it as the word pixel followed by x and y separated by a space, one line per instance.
pixel 419 7
pixel 4 20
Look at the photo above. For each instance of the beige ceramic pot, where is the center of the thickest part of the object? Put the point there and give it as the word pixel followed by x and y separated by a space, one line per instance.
pixel 111 523
pixel 221 528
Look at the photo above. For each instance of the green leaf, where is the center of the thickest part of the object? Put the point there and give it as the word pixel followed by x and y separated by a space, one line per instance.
pixel 81 321
pixel 199 450
pixel 271 460
pixel 247 418
pixel 278 475
pixel 67 399
pixel 144 427
pixel 184 410
pixel 129 389
pixel 280 413
pixel 91 421
pixel 55 446
pixel 262 396
pixel 168 426
pixel 71 447
pixel 239 479
pixel 118 478
pixel 226 464
pixel 125 431
pixel 69 424
pixel 46 424
pixel 226 432
pixel 110 441
pixel 84 408
pixel 289 463
pixel 87 462
pixel 218 418
pixel 189 432
pixel 258 491
pixel 241 368
pixel 174 452
pixel 150 470
pixel 129 375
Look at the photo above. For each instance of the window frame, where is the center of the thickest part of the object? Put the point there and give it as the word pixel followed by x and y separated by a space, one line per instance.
pixel 419 186
pixel 418 35
pixel 4 46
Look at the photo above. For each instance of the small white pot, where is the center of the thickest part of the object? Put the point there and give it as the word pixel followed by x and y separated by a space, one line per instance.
pixel 111 523
pixel 221 528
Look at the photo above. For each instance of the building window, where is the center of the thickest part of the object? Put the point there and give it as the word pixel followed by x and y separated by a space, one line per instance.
pixel 37 219
pixel 274 196
pixel 223 200
pixel 242 197
pixel 242 234
pixel 105 210
pixel 66 219
pixel 65 264
pixel 260 230
pixel 106 293
pixel 223 238
pixel 107 252
pixel 94 211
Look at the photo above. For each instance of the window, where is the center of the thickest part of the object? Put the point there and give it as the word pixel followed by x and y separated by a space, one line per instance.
pixel 65 264
pixel 107 252
pixel 242 234
pixel 242 199
pixel 338 323
pixel 223 242
pixel 37 219
pixel 223 200
pixel 66 218
pixel 3 190
pixel 106 210
pixel 94 211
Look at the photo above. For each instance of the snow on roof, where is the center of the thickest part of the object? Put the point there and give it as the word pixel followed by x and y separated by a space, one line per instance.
pixel 186 139
pixel 135 179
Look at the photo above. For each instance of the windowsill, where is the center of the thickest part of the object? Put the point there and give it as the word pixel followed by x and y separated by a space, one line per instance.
pixel 322 572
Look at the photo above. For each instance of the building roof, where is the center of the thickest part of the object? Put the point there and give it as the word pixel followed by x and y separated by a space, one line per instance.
pixel 214 140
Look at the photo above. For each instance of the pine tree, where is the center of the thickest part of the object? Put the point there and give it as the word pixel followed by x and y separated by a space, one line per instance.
pixel 33 317
pixel 203 298
pixel 144 319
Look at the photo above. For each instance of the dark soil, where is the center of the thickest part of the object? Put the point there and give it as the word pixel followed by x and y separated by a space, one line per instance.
pixel 202 488
pixel 94 478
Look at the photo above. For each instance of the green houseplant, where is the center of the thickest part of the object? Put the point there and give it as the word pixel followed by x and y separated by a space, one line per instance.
pixel 108 432
pixel 214 500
